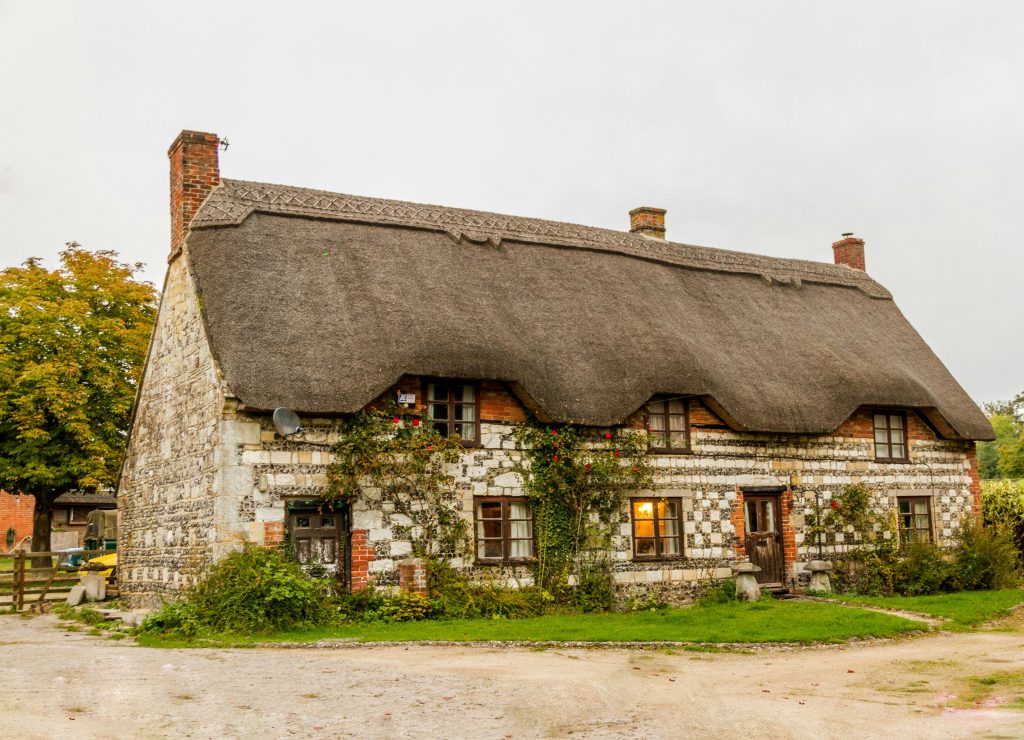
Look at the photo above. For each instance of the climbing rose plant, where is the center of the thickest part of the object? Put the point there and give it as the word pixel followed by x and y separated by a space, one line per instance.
pixel 578 482
pixel 387 455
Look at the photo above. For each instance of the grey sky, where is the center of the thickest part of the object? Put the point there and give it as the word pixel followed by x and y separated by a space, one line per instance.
pixel 769 127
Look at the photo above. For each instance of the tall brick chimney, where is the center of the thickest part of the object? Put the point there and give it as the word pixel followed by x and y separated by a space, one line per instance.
pixel 849 251
pixel 195 171
pixel 647 221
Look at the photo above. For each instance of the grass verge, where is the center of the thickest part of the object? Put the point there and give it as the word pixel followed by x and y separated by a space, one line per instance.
pixel 965 609
pixel 763 622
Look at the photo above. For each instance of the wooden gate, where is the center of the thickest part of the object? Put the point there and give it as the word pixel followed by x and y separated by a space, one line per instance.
pixel 23 586
pixel 763 520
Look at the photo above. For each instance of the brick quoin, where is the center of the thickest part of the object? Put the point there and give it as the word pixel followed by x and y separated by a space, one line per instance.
pixel 975 486
pixel 362 555
pixel 16 512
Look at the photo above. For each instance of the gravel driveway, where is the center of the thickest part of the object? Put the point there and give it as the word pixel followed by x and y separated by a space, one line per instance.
pixel 55 683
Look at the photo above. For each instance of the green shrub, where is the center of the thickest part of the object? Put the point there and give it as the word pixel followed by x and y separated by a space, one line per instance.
pixel 594 590
pixel 720 593
pixel 986 558
pixel 454 597
pixel 922 570
pixel 405 606
pixel 252 590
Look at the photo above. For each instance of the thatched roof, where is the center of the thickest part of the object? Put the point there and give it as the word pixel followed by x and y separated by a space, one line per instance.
pixel 320 302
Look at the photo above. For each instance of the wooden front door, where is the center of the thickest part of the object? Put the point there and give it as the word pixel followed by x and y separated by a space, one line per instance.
pixel 318 539
pixel 763 543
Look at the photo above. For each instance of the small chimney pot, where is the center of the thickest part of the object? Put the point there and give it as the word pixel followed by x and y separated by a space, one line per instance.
pixel 647 221
pixel 849 251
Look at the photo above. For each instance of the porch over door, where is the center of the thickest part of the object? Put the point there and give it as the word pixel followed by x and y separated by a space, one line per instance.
pixel 763 543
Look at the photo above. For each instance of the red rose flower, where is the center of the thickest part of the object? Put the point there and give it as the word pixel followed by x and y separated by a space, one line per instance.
pixel 588 466
pixel 395 420
pixel 555 458
pixel 554 431
pixel 415 422
pixel 556 444
pixel 618 454
pixel 835 505
pixel 607 435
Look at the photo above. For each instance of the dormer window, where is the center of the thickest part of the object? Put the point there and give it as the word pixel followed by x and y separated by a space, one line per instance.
pixel 667 426
pixel 891 436
pixel 452 408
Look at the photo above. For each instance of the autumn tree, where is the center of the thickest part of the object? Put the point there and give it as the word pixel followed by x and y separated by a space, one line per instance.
pixel 72 345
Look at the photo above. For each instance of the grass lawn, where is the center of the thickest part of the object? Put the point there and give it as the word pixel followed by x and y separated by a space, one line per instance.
pixel 766 621
pixel 964 608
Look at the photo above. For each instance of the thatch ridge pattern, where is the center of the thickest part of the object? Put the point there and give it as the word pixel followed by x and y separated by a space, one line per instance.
pixel 234 200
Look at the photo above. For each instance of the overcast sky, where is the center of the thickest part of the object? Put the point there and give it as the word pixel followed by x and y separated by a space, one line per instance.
pixel 769 127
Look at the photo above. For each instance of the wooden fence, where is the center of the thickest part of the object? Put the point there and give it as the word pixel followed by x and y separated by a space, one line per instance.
pixel 24 586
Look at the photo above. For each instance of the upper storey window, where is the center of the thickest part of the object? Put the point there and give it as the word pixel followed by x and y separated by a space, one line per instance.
pixel 453 408
pixel 890 436
pixel 667 426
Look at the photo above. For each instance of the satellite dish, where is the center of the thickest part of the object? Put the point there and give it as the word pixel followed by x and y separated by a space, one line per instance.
pixel 286 422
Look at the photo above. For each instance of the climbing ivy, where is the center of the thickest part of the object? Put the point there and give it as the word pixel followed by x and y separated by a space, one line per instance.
pixel 577 481
pixel 387 456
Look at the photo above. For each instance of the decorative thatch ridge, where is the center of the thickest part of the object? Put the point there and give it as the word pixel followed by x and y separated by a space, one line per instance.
pixel 232 202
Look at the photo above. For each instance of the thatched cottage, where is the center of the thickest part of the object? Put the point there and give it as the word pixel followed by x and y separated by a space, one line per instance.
pixel 763 383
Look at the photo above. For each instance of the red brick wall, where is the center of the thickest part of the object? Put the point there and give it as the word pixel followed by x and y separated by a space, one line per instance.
pixel 195 171
pixel 15 511
pixel 273 533
pixel 497 404
pixel 701 414
pixel 862 425
pixel 362 555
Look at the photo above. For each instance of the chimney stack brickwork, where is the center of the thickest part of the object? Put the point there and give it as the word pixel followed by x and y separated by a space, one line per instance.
pixel 647 221
pixel 849 251
pixel 195 171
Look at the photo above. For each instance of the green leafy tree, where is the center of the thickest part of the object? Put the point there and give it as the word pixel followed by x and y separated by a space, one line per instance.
pixel 72 345
pixel 993 456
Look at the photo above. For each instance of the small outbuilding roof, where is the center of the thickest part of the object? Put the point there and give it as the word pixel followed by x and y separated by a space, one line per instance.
pixel 320 302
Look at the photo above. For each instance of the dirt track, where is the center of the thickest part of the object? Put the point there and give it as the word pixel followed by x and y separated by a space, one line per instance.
pixel 67 684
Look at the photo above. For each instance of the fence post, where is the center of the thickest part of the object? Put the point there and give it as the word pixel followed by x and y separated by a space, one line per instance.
pixel 18 597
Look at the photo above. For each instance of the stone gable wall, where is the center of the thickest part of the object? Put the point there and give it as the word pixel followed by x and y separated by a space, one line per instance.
pixel 166 497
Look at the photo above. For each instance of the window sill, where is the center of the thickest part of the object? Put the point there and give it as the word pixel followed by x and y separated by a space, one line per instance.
pixel 657 558
pixel 496 561
pixel 894 460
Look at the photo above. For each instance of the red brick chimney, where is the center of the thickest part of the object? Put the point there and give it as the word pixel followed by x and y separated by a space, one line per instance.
pixel 849 251
pixel 647 221
pixel 195 171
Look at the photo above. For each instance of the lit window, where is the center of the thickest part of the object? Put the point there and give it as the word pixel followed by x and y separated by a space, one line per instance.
pixel 656 528
pixel 891 436
pixel 915 518
pixel 452 409
pixel 504 529
pixel 667 426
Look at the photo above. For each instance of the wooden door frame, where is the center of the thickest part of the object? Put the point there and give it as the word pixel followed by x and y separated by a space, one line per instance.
pixel 787 535
pixel 338 509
